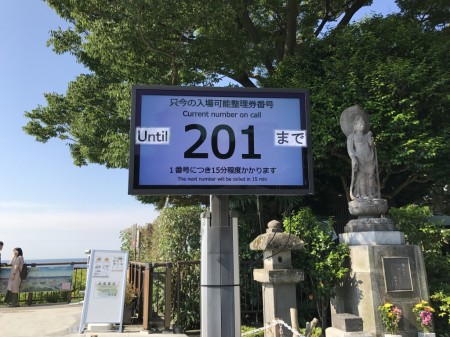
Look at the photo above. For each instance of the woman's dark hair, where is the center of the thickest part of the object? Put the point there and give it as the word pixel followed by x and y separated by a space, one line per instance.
pixel 19 250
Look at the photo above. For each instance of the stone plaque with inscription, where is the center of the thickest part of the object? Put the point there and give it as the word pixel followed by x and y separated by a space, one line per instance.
pixel 397 274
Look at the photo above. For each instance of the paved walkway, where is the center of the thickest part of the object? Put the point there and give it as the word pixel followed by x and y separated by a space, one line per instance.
pixel 54 320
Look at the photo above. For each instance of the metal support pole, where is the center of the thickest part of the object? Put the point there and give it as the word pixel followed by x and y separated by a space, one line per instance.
pixel 220 304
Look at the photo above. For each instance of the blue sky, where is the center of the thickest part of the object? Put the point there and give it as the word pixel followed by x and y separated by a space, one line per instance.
pixel 49 207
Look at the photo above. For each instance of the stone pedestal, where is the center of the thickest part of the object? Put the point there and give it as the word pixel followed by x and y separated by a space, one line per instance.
pixel 372 238
pixel 379 274
pixel 278 278
pixel 347 325
pixel 382 269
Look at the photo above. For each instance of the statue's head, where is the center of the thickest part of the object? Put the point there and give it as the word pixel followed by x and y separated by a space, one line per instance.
pixel 353 116
pixel 359 124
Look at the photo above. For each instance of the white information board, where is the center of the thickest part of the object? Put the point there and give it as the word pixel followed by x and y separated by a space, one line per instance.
pixel 105 288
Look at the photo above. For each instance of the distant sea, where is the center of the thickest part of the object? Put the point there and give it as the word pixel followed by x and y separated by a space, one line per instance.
pixel 77 259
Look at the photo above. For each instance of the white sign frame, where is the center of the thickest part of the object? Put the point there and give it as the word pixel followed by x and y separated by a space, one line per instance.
pixel 105 288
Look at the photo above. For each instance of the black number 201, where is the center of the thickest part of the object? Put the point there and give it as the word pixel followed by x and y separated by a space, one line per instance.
pixel 250 132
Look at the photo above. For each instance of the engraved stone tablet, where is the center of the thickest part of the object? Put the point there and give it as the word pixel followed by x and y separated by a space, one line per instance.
pixel 397 274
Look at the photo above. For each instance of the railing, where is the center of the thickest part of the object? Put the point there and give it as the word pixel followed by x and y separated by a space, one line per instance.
pixel 41 297
pixel 164 298
pixel 153 283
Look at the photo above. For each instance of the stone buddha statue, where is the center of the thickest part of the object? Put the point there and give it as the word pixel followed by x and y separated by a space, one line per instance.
pixel 366 202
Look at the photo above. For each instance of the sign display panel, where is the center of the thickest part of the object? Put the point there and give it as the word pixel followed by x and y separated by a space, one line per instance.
pixel 41 278
pixel 197 140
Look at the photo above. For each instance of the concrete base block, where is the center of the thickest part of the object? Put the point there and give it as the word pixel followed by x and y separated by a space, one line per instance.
pixel 99 327
pixel 333 332
pixel 372 238
pixel 348 322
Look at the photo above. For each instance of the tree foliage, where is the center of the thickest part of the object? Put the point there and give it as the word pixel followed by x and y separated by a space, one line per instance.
pixel 173 236
pixel 191 41
pixel 194 42
pixel 143 250
pixel 396 68
pixel 176 234
pixel 322 258
pixel 433 14
pixel 397 72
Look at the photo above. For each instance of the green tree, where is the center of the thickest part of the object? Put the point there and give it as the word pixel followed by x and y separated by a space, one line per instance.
pixel 176 234
pixel 433 14
pixel 182 42
pixel 398 72
pixel 322 257
pixel 143 251
pixel 395 68
pixel 173 236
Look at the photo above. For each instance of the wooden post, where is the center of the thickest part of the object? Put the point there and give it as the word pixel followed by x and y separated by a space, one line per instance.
pixel 178 321
pixel 276 331
pixel 168 299
pixel 294 319
pixel 312 325
pixel 69 296
pixel 146 296
pixel 30 298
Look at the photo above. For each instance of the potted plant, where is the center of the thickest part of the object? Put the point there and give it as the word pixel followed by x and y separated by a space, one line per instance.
pixel 129 304
pixel 424 315
pixel 390 316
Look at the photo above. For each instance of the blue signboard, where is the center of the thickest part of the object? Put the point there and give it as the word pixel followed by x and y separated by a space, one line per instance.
pixel 196 140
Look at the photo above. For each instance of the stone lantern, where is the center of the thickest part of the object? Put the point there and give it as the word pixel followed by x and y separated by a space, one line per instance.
pixel 278 278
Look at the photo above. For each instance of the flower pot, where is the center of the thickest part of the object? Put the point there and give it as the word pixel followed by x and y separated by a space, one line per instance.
pixel 127 314
pixel 389 335
pixel 427 334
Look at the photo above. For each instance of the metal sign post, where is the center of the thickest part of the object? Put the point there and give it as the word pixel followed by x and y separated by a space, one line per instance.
pixel 220 303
